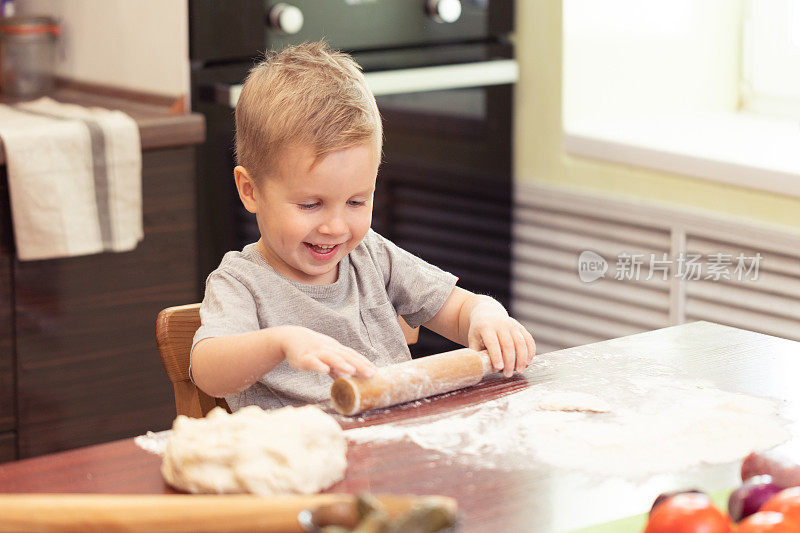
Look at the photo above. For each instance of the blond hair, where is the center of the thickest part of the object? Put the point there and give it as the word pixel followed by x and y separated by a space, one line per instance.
pixel 306 94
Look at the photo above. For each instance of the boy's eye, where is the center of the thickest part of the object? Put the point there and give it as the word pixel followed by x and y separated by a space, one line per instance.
pixel 355 203
pixel 309 206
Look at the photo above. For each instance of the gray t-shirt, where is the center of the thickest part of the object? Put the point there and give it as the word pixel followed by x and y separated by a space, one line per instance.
pixel 377 282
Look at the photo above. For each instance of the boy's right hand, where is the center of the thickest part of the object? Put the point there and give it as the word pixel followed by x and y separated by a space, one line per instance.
pixel 306 349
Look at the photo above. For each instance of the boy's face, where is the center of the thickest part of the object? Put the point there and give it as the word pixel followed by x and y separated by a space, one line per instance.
pixel 310 218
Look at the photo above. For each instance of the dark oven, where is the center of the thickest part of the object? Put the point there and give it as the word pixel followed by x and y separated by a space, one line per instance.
pixel 443 74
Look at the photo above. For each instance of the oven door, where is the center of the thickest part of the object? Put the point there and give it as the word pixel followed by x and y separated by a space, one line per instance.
pixel 444 188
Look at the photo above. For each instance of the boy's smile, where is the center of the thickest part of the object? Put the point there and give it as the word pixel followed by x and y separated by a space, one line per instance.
pixel 310 218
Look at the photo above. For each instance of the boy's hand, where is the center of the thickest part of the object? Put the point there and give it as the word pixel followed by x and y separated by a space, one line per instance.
pixel 510 346
pixel 306 349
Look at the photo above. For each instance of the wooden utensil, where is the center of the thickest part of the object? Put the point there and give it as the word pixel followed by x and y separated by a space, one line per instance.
pixel 174 513
pixel 412 380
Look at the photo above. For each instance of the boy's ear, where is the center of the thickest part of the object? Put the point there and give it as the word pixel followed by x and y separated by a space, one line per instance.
pixel 246 187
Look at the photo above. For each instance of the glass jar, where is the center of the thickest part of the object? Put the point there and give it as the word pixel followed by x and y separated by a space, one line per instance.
pixel 27 55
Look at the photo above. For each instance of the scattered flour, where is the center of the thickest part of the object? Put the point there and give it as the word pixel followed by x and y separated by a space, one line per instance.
pixel 573 401
pixel 648 424
pixel 649 421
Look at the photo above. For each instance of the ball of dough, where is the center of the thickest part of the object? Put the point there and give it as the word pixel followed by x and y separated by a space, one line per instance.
pixel 289 450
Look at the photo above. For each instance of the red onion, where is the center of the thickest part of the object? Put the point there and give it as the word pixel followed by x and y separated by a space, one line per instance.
pixel 664 495
pixel 749 498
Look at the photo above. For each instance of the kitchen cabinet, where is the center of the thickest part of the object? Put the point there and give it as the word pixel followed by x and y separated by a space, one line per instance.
pixel 78 357
pixel 8 421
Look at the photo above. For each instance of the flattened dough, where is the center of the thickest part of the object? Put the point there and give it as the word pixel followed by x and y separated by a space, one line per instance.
pixel 573 401
pixel 289 450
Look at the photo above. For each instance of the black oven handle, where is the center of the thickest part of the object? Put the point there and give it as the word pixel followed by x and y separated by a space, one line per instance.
pixel 414 80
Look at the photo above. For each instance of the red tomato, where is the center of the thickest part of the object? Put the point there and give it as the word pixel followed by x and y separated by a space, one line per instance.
pixel 689 512
pixel 768 522
pixel 787 502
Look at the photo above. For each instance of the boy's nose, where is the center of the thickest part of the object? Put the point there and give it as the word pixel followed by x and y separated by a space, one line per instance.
pixel 333 226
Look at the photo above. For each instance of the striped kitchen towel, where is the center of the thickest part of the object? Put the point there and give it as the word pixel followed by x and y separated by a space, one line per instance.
pixel 74 179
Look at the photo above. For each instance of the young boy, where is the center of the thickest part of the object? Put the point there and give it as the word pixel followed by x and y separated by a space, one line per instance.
pixel 319 294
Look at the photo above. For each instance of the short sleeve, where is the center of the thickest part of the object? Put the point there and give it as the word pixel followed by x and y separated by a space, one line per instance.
pixel 228 308
pixel 416 288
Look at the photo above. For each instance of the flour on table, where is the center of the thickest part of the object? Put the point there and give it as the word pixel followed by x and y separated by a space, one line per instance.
pixel 288 450
pixel 646 422
pixel 574 401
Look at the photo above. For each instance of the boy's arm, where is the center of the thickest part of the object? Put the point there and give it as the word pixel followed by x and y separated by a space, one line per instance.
pixel 231 363
pixel 481 322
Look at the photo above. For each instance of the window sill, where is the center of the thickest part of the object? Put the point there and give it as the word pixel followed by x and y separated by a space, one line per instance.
pixel 742 149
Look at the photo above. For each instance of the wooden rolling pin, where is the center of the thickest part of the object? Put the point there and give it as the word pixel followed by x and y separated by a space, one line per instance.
pixel 412 380
pixel 177 513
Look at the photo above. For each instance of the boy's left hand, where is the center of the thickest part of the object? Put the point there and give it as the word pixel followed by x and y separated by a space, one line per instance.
pixel 510 346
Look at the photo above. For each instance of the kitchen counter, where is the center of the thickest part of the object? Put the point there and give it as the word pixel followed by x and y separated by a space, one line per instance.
pixel 78 358
pixel 158 127
pixel 530 497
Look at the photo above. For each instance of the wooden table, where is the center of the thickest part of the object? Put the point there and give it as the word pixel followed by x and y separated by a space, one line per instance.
pixel 541 499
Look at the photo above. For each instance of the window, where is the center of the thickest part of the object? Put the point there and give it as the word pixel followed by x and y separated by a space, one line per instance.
pixel 650 56
pixel 708 89
pixel 771 57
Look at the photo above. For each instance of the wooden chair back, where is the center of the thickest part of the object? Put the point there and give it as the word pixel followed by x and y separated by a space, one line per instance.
pixel 175 329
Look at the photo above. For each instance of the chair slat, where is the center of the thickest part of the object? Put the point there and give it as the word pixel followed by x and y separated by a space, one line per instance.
pixel 175 329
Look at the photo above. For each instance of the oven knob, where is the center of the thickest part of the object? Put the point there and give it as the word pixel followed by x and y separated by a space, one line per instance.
pixel 444 10
pixel 286 18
